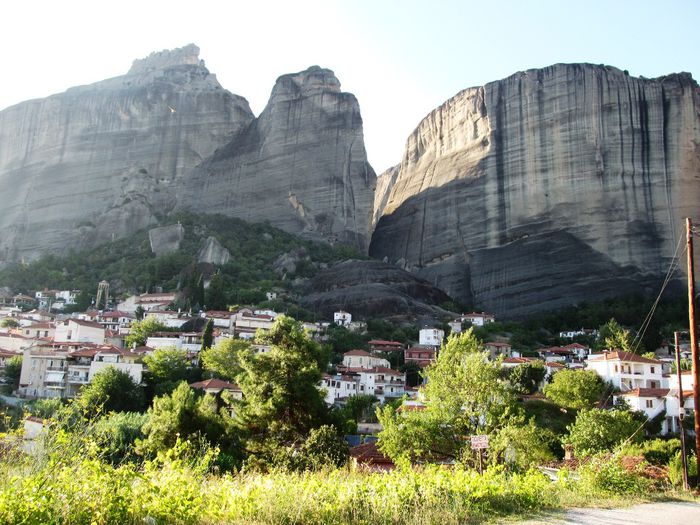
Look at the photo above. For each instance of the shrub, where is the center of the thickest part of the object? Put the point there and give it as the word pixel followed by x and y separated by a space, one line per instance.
pixel 598 430
pixel 606 475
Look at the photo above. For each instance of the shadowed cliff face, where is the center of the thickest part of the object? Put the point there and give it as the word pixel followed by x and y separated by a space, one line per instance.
pixel 99 162
pixel 103 160
pixel 548 188
pixel 301 165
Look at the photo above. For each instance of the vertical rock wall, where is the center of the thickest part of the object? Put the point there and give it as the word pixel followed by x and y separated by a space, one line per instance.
pixel 547 188
pixel 301 165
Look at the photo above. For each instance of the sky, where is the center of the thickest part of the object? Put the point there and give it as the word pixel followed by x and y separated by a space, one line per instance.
pixel 400 58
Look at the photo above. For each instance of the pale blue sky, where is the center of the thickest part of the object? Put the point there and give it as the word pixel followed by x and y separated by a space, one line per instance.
pixel 400 58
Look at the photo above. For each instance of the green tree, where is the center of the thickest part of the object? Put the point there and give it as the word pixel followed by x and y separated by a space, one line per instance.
pixel 464 395
pixel 166 368
pixel 142 330
pixel 216 294
pixel 527 377
pixel 111 390
pixel 13 369
pixel 9 322
pixel 208 336
pixel 222 359
pixel 281 402
pixel 578 389
pixel 115 435
pixel 612 336
pixel 598 430
pixel 184 415
pixel 413 373
pixel 524 446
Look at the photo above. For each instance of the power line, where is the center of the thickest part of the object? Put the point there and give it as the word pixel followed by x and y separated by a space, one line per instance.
pixel 637 341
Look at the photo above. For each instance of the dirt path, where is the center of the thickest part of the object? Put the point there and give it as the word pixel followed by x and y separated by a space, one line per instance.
pixel 669 513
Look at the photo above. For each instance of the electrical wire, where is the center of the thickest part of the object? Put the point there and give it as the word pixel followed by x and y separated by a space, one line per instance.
pixel 637 341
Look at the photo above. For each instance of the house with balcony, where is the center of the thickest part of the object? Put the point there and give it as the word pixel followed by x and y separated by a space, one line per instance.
pixel 115 320
pixel 498 349
pixel 379 345
pixel 423 355
pixel 342 318
pixel 628 371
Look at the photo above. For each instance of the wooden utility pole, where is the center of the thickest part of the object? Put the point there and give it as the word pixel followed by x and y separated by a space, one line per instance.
pixel 693 338
pixel 681 410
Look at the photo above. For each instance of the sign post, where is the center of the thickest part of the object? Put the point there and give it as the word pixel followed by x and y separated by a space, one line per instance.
pixel 480 443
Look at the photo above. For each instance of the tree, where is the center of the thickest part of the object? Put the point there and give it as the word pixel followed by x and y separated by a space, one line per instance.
pixel 413 373
pixel 216 294
pixel 464 395
pixel 142 330
pixel 578 389
pixel 524 446
pixel 115 435
pixel 526 378
pixel 221 360
pixel 323 448
pixel 281 399
pixel 166 368
pixel 185 416
pixel 208 336
pixel 13 369
pixel 598 430
pixel 612 336
pixel 9 322
pixel 111 390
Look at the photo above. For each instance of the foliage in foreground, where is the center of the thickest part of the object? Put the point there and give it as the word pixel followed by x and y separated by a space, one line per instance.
pixel 71 486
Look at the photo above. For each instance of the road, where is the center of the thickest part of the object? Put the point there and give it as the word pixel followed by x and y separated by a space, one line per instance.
pixel 668 513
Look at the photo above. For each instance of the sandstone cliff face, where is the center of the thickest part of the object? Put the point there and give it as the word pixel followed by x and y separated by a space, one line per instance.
pixel 547 188
pixel 103 160
pixel 301 165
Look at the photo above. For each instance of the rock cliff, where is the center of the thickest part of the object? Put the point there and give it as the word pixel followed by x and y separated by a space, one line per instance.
pixel 301 165
pixel 550 187
pixel 99 162
pixel 103 160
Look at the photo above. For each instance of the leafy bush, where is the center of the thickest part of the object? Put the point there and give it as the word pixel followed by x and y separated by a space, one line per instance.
pixel 578 389
pixel 598 430
pixel 675 469
pixel 656 451
pixel 606 475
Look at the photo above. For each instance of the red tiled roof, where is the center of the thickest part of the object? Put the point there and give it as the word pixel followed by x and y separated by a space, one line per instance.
pixel 647 392
pixel 619 355
pixel 85 352
pixel 379 342
pixel 90 324
pixel 357 352
pixel 517 360
pixel 411 408
pixel 577 346
pixel 370 454
pixel 215 384
pixel 497 344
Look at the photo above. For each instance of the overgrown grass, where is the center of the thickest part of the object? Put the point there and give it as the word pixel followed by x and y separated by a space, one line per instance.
pixel 69 483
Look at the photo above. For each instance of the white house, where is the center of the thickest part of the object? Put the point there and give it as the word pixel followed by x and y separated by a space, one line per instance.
pixel 342 318
pixel 430 337
pixel 75 330
pixel 628 371
pixel 362 359
pixel 383 382
pixel 478 319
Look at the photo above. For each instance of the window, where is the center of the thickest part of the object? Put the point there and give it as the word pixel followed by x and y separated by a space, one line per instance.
pixel 615 368
pixel 653 384
pixel 650 403
pixel 652 369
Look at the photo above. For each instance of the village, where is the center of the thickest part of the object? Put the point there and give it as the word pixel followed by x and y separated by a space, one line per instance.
pixel 60 353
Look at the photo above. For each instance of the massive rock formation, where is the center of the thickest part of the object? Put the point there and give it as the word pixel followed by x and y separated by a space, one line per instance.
pixel 547 188
pixel 301 165
pixel 102 161
pixel 99 162
pixel 370 289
